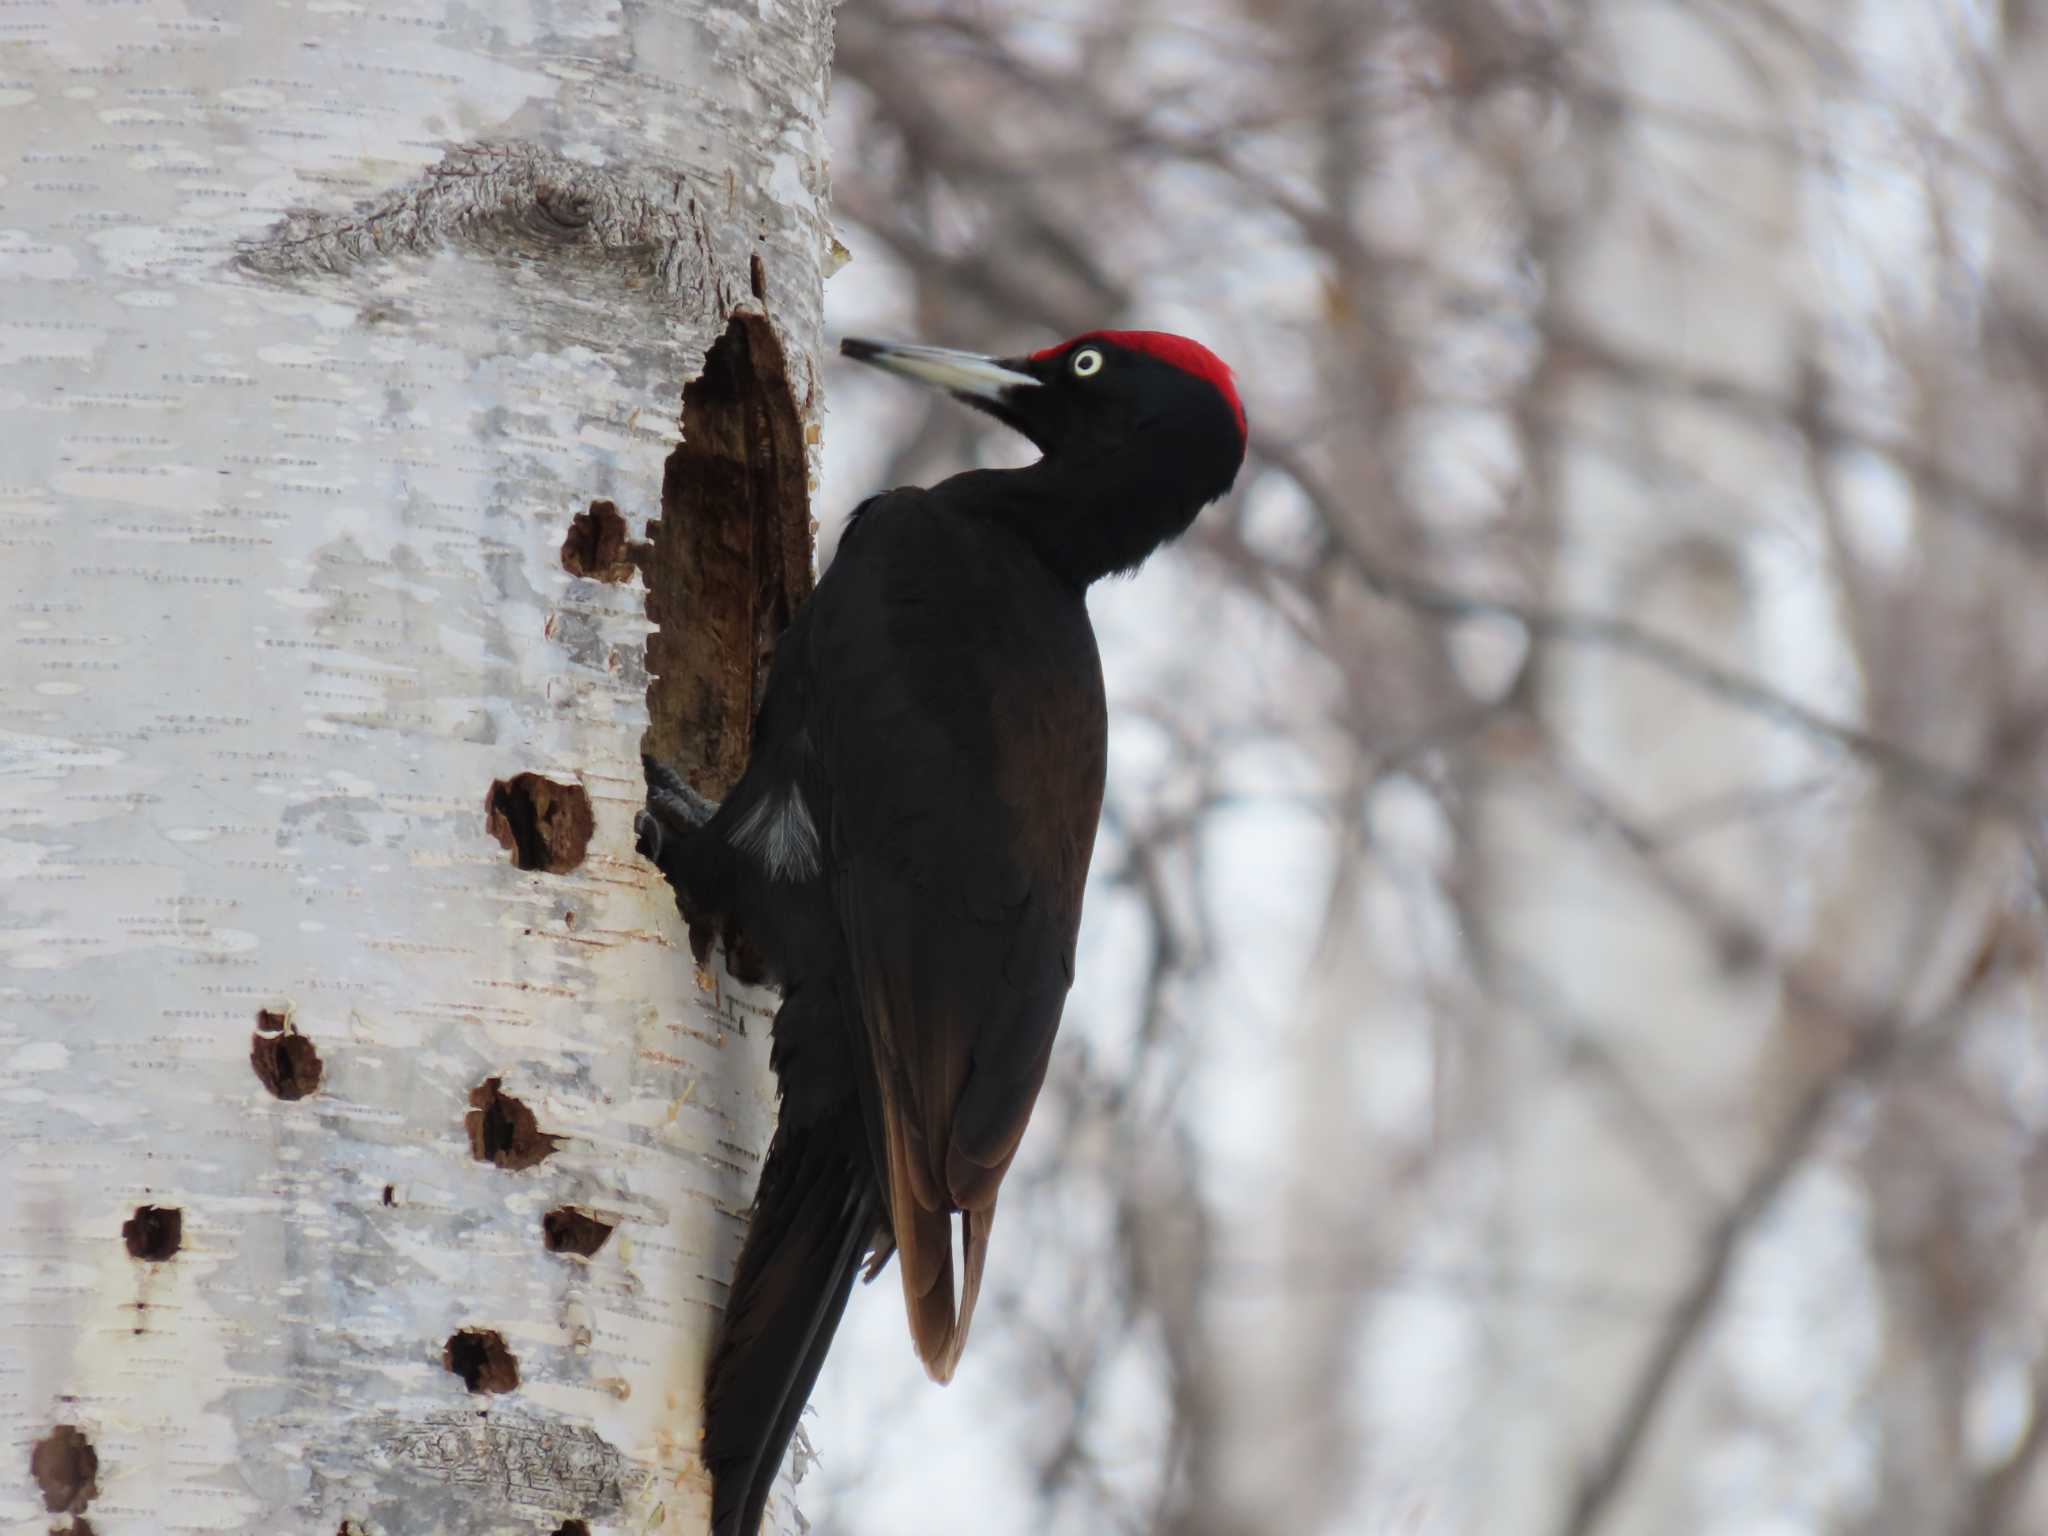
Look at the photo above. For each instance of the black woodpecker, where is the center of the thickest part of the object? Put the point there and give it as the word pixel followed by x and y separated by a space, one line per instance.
pixel 905 853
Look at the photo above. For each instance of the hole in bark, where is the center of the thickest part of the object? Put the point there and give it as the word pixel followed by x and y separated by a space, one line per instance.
pixel 66 1468
pixel 570 1231
pixel 546 825
pixel 286 1064
pixel 391 1194
pixel 271 1021
pixel 730 557
pixel 571 1528
pixel 503 1131
pixel 596 545
pixel 154 1233
pixel 567 209
pixel 480 1358
pixel 757 277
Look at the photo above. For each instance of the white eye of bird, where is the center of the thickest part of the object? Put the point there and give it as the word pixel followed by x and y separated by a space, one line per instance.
pixel 1087 361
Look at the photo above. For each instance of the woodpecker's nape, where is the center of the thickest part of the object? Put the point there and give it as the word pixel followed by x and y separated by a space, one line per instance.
pixel 906 852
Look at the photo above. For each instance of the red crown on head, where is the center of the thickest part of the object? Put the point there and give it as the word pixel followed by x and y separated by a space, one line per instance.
pixel 1177 351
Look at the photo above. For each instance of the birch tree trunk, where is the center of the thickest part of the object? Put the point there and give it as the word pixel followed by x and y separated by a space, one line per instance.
pixel 375 1160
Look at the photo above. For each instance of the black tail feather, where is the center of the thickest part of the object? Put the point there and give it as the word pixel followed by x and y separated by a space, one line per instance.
pixel 814 1218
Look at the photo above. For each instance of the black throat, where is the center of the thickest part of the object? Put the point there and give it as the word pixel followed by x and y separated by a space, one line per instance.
pixel 1096 515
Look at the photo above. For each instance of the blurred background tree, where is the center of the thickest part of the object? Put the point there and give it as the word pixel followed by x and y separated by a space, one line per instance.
pixel 1559 1046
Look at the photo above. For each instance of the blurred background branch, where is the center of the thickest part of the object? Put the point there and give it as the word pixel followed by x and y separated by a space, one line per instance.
pixel 1559 1044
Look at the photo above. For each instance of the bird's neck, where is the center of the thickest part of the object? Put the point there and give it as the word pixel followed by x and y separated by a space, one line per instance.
pixel 1086 521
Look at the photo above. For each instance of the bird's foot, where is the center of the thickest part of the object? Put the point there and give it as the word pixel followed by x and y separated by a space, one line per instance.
pixel 663 829
pixel 673 814
pixel 673 808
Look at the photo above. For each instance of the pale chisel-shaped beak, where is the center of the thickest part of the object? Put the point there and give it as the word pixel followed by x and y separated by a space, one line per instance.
pixel 976 379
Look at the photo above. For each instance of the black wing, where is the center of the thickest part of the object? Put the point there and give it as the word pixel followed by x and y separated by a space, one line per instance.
pixel 957 725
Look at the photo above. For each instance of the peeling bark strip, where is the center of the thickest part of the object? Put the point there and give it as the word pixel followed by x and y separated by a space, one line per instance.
pixel 514 196
pixel 524 1459
pixel 730 561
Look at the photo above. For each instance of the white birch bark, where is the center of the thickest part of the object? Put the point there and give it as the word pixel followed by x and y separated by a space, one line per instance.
pixel 317 326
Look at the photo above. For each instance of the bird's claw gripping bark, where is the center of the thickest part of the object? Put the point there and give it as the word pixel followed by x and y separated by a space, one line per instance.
pixel 647 837
pixel 671 804
pixel 674 811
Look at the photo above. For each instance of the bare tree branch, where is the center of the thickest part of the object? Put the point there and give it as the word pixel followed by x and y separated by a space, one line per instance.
pixel 1680 661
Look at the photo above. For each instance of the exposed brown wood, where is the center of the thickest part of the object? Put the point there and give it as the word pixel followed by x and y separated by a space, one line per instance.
pixel 730 555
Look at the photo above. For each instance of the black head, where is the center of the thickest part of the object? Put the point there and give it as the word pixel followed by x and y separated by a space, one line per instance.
pixel 1140 431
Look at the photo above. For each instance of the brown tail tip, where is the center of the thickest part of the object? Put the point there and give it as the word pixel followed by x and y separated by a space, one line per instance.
pixel 938 1330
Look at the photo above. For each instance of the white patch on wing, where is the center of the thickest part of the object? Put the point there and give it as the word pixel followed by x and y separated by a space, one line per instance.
pixel 779 831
